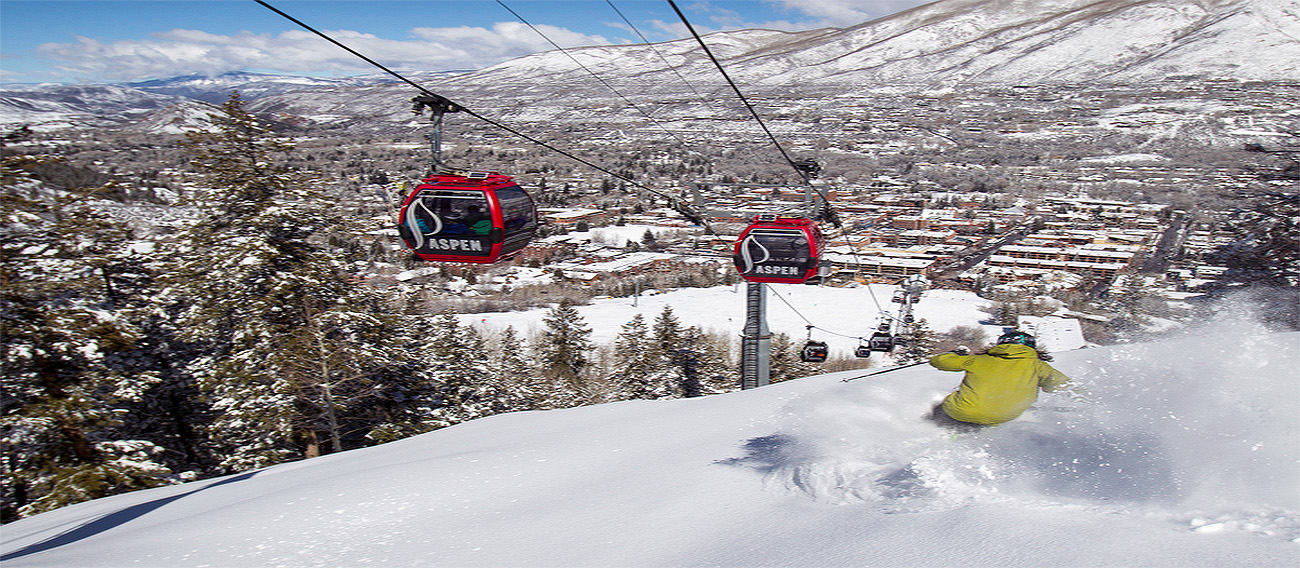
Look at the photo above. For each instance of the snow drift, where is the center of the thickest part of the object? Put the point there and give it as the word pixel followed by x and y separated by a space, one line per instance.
pixel 1183 454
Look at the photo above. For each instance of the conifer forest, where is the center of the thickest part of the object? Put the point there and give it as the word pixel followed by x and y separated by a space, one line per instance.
pixel 241 342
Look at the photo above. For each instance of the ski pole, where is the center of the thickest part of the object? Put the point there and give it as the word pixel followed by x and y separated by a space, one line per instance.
pixel 890 370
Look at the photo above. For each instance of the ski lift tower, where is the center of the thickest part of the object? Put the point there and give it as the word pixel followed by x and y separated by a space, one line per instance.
pixel 756 341
pixel 910 291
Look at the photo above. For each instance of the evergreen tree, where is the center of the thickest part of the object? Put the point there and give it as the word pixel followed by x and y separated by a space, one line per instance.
pixel 634 360
pixel 677 357
pixel 667 332
pixel 61 328
pixel 458 366
pixel 716 372
pixel 345 366
pixel 700 365
pixel 648 241
pixel 513 371
pixel 288 342
pixel 920 345
pixel 785 362
pixel 564 345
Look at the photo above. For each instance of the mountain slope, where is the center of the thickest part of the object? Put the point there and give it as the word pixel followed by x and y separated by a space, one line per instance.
pixel 96 105
pixel 1168 464
pixel 950 42
pixel 1060 41
pixel 216 89
pixel 980 41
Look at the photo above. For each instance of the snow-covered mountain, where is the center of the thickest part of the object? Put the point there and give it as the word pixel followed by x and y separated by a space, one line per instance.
pixel 972 41
pixel 1052 41
pixel 60 106
pixel 216 89
pixel 945 43
pixel 176 119
pixel 1183 454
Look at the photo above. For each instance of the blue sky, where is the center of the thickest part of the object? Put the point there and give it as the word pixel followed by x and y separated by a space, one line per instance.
pixel 113 41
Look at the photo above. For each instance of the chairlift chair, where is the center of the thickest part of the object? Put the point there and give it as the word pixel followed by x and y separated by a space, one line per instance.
pixel 881 341
pixel 814 352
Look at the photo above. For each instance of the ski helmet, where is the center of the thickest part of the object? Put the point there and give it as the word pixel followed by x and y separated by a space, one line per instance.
pixel 1019 337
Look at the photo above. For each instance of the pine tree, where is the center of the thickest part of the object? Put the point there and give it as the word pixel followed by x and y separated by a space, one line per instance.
pixel 676 358
pixel 564 345
pixel 699 365
pixel 920 345
pixel 61 328
pixel 667 332
pixel 291 347
pixel 513 371
pixel 713 371
pixel 785 361
pixel 458 368
pixel 634 360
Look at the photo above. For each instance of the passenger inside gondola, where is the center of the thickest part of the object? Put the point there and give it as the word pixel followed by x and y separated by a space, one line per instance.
pixel 453 213
pixel 784 245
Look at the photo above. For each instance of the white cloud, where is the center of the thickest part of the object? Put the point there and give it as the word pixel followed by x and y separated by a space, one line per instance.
pixel 182 52
pixel 845 13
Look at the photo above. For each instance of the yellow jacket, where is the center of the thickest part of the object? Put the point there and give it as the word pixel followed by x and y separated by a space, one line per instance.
pixel 998 386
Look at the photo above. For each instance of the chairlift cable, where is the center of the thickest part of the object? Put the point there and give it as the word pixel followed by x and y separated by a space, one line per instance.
pixel 808 323
pixel 739 94
pixel 667 63
pixel 602 80
pixel 674 202
pixel 802 170
pixel 648 115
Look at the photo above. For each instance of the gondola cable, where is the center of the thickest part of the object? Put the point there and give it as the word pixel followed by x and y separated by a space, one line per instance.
pixel 804 171
pixel 667 64
pixel 674 202
pixel 807 170
pixel 735 88
pixel 809 324
pixel 597 76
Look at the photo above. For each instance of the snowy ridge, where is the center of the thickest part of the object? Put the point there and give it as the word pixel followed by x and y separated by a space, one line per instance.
pixel 974 41
pixel 1165 464
pixel 177 119
pixel 1064 41
pixel 215 89
pixel 938 45
pixel 62 105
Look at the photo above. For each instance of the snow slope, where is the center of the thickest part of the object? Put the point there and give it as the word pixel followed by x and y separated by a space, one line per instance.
pixel 841 314
pixel 1168 463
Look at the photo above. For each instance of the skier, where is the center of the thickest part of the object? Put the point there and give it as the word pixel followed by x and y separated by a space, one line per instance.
pixel 999 385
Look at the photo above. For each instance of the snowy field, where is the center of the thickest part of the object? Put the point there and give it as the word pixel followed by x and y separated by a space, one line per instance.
pixel 1185 454
pixel 840 314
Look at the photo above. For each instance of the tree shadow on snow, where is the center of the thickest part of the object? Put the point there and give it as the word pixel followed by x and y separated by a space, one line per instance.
pixel 784 460
pixel 111 520
pixel 767 454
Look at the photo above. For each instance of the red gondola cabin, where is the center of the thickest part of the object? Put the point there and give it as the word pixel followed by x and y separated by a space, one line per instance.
pixel 479 218
pixel 778 250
